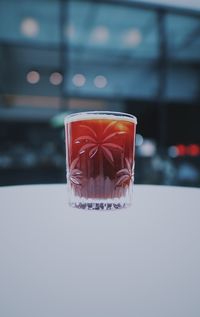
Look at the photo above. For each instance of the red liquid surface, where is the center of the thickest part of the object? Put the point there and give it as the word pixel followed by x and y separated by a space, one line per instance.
pixel 100 155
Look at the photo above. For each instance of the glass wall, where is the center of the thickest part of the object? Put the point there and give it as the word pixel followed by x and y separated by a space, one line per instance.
pixel 58 57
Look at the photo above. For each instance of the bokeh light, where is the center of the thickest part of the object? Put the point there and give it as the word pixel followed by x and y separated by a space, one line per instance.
pixel 79 80
pixel 30 27
pixel 100 35
pixel 132 38
pixel 33 77
pixel 100 81
pixel 56 78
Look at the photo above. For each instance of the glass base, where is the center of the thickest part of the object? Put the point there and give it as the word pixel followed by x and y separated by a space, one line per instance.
pixel 100 205
pixel 103 203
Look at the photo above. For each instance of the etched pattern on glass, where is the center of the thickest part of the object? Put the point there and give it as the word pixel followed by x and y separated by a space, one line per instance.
pixel 126 174
pixel 102 143
pixel 100 168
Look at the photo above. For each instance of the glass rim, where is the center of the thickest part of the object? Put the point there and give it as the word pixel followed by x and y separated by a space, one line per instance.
pixel 69 118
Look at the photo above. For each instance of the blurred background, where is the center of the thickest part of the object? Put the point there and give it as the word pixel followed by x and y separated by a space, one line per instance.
pixel 140 57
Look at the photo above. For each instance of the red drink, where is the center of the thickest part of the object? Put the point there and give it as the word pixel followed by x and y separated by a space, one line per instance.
pixel 100 157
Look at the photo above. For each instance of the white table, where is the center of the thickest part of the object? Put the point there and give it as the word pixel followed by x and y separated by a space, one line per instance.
pixel 61 262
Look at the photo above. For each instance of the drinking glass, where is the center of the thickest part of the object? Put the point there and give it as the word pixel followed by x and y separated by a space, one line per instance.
pixel 100 159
